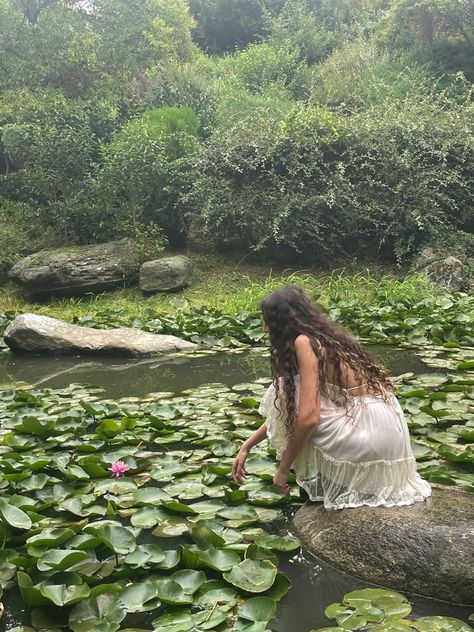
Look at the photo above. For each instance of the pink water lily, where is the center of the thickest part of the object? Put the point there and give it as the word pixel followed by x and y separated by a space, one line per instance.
pixel 118 468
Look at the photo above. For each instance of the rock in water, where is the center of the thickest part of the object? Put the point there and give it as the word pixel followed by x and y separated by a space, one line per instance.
pixel 79 269
pixel 426 548
pixel 41 334
pixel 165 275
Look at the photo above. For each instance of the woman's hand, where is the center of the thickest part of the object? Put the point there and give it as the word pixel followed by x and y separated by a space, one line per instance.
pixel 238 468
pixel 280 482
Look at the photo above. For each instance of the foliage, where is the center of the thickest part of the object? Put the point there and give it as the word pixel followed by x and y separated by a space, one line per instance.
pixel 359 75
pixel 406 23
pixel 260 66
pixel 313 185
pixel 184 85
pixel 135 36
pixel 302 30
pixel 174 537
pixel 328 129
pixel 144 169
pixel 18 233
pixel 74 535
pixel 224 25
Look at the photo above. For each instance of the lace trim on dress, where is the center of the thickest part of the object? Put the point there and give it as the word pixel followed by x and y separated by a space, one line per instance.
pixel 343 484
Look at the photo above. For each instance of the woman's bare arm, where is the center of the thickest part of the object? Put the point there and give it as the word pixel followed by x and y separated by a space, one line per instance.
pixel 238 467
pixel 308 411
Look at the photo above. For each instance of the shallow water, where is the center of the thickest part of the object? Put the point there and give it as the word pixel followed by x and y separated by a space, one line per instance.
pixel 123 377
pixel 315 584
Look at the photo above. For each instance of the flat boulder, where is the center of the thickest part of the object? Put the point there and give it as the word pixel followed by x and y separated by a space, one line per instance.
pixel 75 270
pixel 426 548
pixel 41 334
pixel 165 275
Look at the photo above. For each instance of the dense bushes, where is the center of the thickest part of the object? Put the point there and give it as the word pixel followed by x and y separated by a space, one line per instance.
pixel 145 169
pixel 313 185
pixel 324 128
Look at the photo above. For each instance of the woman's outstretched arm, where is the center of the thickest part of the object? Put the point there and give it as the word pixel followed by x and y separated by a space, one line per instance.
pixel 238 468
pixel 308 410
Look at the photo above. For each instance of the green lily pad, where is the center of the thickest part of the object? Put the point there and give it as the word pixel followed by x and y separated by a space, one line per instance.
pixel 103 610
pixel 180 620
pixel 189 580
pixel 145 555
pixel 278 543
pixel 216 559
pixel 254 576
pixel 64 589
pixel 258 609
pixel 14 516
pixel 216 594
pixel 171 592
pixel 140 597
pixel 441 624
pixel 147 517
pixel 171 527
pixel 60 559
pixel 117 539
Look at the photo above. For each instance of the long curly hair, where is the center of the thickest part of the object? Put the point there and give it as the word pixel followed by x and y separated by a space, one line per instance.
pixel 289 312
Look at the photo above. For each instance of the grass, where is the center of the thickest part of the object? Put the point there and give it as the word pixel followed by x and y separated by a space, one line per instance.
pixel 220 283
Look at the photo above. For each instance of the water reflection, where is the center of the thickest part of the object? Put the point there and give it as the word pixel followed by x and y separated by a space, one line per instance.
pixel 124 377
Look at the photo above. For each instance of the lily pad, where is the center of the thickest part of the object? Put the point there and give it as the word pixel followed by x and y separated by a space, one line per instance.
pixel 278 543
pixel 103 610
pixel 254 576
pixel 444 624
pixel 140 597
pixel 258 609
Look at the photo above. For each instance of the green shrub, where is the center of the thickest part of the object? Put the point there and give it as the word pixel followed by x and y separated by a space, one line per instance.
pixel 22 231
pixel 316 186
pixel 298 28
pixel 224 25
pixel 261 65
pixel 145 169
pixel 184 85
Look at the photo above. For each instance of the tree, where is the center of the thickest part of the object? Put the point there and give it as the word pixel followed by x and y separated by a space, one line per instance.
pixel 136 34
pixel 224 25
pixel 46 44
pixel 408 23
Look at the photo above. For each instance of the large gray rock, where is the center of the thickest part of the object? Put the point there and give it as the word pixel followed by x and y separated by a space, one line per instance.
pixel 165 275
pixel 41 334
pixel 78 269
pixel 426 548
pixel 450 273
pixel 443 269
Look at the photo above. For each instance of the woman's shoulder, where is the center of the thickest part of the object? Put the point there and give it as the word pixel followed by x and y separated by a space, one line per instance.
pixel 302 342
pixel 304 345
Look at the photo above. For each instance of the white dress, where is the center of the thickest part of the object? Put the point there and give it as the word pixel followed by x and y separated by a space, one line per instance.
pixel 360 455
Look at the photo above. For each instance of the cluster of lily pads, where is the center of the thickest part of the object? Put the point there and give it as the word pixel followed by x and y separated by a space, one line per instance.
pixel 442 320
pixel 445 320
pixel 382 610
pixel 172 545
pixel 440 412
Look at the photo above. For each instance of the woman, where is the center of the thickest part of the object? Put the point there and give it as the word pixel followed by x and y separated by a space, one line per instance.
pixel 331 414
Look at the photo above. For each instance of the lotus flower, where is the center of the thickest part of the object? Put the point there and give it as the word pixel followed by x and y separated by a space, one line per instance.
pixel 118 468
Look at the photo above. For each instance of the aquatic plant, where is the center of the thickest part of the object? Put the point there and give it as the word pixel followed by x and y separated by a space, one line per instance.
pixel 382 610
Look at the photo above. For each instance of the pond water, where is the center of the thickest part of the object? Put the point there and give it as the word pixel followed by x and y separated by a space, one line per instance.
pixel 315 584
pixel 122 377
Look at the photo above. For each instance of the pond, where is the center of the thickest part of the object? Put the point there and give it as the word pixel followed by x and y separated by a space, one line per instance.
pixel 315 584
pixel 124 377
